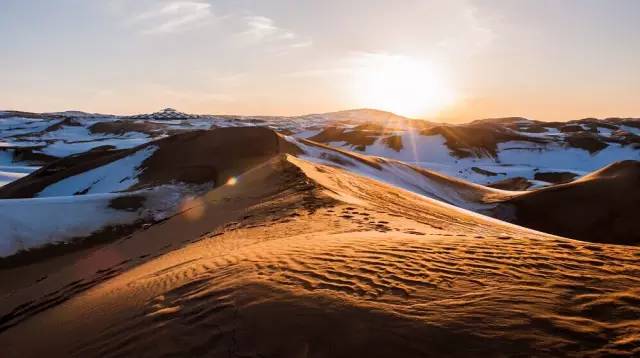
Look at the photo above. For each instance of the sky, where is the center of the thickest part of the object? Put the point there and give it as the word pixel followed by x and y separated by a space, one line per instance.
pixel 448 60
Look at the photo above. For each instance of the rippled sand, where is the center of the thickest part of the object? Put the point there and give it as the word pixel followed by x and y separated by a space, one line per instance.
pixel 303 260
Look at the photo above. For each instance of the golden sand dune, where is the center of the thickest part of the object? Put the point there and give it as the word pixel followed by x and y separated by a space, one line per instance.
pixel 304 260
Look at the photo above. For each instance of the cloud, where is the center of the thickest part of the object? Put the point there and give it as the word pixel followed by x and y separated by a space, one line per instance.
pixel 264 29
pixel 174 16
pixel 260 27
pixel 472 34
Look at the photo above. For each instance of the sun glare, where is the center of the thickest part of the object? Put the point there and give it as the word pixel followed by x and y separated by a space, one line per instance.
pixel 402 85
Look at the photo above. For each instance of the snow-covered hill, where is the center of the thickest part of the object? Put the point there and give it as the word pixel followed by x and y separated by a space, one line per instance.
pixel 484 151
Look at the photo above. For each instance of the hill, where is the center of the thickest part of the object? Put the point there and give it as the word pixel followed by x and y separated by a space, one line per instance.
pixel 599 207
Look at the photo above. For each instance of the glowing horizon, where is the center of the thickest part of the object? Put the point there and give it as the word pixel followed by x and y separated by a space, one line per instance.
pixel 451 61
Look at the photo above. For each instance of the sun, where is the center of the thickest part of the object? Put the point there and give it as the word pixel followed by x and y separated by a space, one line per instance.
pixel 401 84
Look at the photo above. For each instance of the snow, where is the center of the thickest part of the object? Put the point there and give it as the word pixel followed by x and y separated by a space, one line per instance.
pixel 65 141
pixel 6 157
pixel 80 114
pixel 9 170
pixel 18 169
pixel 8 177
pixel 62 149
pixel 21 144
pixel 31 223
pixel 68 133
pixel 514 158
pixel 630 129
pixel 392 172
pixel 568 158
pixel 549 133
pixel 416 148
pixel 13 126
pixel 116 176
pixel 307 133
pixel 28 223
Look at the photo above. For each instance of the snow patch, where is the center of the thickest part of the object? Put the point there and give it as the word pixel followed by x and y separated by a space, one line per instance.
pixel 115 176
pixel 31 223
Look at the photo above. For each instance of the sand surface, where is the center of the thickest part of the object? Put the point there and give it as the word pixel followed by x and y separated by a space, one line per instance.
pixel 602 206
pixel 303 260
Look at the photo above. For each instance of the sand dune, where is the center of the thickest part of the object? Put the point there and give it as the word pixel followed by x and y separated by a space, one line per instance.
pixel 599 207
pixel 303 260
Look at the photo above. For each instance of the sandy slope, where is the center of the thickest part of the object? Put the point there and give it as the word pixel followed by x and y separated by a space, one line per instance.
pixel 599 207
pixel 303 260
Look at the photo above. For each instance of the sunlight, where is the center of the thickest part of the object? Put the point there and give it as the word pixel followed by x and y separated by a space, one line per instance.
pixel 402 85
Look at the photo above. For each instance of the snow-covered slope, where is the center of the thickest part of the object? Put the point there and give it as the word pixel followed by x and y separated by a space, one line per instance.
pixel 33 223
pixel 418 180
pixel 116 176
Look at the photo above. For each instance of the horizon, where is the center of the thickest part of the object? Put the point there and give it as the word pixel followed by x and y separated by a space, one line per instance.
pixel 451 62
pixel 321 113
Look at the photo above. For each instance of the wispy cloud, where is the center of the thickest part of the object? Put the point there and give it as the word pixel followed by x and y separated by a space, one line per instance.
pixel 264 29
pixel 260 27
pixel 471 36
pixel 174 16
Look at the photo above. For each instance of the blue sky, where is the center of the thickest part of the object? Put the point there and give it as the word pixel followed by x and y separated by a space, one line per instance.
pixel 550 60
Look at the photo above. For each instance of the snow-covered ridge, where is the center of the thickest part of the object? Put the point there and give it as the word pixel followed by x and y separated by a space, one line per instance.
pixel 484 151
pixel 433 185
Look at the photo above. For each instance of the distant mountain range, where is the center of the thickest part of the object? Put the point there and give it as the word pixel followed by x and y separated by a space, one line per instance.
pixel 512 153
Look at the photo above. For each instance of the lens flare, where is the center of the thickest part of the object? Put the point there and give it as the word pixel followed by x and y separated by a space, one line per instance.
pixel 232 181
pixel 192 208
